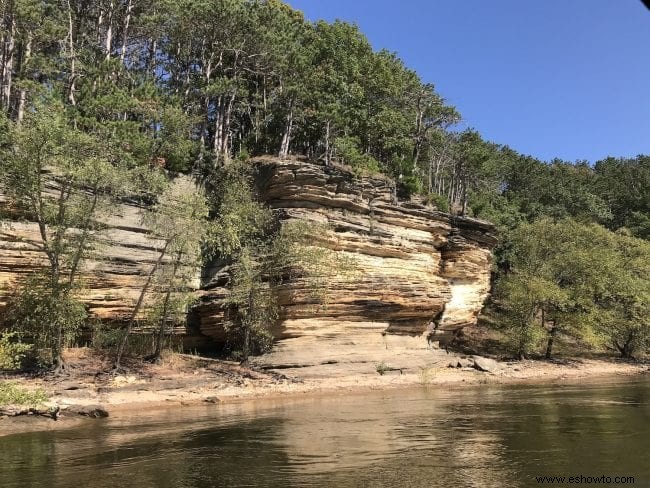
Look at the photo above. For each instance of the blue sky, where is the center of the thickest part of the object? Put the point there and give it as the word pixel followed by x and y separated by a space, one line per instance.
pixel 550 78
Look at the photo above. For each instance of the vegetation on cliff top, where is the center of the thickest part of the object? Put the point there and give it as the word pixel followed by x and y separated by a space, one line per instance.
pixel 111 98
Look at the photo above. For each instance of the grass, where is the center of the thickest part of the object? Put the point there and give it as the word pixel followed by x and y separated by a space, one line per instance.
pixel 12 394
pixel 382 368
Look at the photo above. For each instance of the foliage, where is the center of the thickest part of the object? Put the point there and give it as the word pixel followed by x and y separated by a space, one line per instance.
pixel 104 337
pixel 347 150
pixel 572 279
pixel 97 98
pixel 179 221
pixel 382 368
pixel 63 179
pixel 12 394
pixel 239 218
pixel 517 300
pixel 622 316
pixel 44 317
pixel 182 84
pixel 260 272
pixel 12 351
pixel 438 201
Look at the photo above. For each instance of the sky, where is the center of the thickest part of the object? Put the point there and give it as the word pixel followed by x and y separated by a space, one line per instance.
pixel 549 78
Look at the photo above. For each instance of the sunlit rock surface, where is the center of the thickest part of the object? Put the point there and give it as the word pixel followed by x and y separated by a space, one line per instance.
pixel 418 272
pixel 112 276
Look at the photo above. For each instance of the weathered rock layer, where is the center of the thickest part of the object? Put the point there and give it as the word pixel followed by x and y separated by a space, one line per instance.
pixel 417 272
pixel 112 275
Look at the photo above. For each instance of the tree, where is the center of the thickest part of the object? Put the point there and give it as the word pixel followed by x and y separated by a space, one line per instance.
pixel 61 179
pixel 179 222
pixel 623 305
pixel 554 275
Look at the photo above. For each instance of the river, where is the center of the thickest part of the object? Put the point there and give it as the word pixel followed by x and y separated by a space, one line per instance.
pixel 489 436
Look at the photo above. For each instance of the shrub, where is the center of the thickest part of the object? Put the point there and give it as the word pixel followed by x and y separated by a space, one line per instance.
pixel 439 201
pixel 12 394
pixel 35 312
pixel 382 368
pixel 105 337
pixel 347 150
pixel 12 351
pixel 409 185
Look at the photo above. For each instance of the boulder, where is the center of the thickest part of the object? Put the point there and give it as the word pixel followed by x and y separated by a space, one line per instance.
pixel 487 365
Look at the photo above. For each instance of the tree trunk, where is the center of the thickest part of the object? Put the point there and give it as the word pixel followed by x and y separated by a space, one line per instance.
pixel 327 143
pixel 225 137
pixel 58 364
pixel 151 61
pixel 165 311
pixel 217 142
pixel 627 348
pixel 73 74
pixel 551 339
pixel 82 241
pixel 138 306
pixel 8 66
pixel 108 42
pixel 125 33
pixel 465 198
pixel 286 137
pixel 22 97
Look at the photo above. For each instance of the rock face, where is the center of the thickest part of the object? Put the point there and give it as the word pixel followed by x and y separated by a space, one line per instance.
pixel 419 274
pixel 112 276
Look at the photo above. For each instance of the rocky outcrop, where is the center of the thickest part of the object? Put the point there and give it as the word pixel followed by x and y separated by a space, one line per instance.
pixel 112 276
pixel 419 274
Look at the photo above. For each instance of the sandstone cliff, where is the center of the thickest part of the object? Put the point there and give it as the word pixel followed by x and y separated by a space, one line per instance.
pixel 419 272
pixel 111 277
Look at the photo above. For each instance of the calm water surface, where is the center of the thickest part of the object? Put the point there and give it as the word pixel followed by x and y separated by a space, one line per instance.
pixel 432 437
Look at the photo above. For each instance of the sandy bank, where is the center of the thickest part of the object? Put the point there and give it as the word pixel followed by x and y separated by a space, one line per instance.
pixel 185 380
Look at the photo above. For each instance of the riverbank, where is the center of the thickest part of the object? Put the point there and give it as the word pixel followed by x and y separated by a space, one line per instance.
pixel 184 380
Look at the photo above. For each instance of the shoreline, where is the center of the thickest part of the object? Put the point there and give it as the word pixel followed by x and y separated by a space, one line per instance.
pixel 198 381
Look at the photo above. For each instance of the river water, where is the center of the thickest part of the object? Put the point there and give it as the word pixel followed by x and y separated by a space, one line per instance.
pixel 489 436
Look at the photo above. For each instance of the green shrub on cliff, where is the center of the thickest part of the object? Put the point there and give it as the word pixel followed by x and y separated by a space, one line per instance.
pixel 46 316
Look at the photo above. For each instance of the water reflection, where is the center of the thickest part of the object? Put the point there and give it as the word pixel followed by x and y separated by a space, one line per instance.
pixel 487 437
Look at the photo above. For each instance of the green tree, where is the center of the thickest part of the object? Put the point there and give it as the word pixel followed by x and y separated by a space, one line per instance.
pixel 556 271
pixel 60 178
pixel 179 222
pixel 623 305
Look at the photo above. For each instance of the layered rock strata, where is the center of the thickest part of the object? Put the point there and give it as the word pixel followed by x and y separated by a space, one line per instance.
pixel 111 277
pixel 417 272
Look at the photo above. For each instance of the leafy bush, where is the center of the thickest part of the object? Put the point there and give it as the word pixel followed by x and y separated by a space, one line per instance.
pixel 12 394
pixel 347 150
pixel 12 351
pixel 439 201
pixel 105 337
pixel 382 368
pixel 35 312
pixel 409 185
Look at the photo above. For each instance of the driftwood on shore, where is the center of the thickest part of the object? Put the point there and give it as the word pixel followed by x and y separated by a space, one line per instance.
pixel 16 411
pixel 92 411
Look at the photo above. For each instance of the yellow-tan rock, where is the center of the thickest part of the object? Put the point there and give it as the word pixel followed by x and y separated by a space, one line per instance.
pixel 416 270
